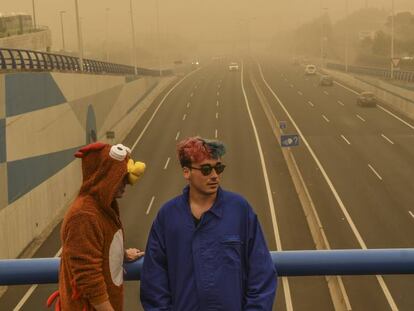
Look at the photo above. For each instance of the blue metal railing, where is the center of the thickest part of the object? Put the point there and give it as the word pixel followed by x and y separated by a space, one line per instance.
pixel 379 72
pixel 288 263
pixel 28 60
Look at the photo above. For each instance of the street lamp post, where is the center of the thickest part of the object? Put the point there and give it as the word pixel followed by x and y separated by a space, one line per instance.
pixel 106 34
pixel 158 36
pixel 34 15
pixel 346 37
pixel 392 40
pixel 323 37
pixel 61 26
pixel 134 50
pixel 80 44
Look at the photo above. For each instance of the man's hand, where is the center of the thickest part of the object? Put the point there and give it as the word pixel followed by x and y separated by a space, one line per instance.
pixel 104 306
pixel 132 254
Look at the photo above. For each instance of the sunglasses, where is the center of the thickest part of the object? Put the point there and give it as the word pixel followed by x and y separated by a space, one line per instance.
pixel 206 169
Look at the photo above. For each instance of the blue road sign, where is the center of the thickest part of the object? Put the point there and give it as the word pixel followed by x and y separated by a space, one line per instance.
pixel 289 140
pixel 282 125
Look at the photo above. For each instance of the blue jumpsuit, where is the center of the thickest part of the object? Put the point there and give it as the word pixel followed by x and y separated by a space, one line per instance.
pixel 222 264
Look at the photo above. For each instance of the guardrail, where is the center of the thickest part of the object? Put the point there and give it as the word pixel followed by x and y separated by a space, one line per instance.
pixel 379 72
pixel 28 60
pixel 288 263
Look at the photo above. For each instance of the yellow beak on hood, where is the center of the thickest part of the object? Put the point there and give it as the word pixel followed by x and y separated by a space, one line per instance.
pixel 135 171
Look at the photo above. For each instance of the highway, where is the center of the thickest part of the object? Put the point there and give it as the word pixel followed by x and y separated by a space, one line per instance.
pixel 356 164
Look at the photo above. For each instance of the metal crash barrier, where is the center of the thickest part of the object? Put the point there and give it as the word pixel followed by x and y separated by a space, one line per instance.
pixel 27 60
pixel 288 263
pixel 407 76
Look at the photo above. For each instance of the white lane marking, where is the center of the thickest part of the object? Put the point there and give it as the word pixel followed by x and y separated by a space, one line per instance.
pixel 217 103
pixel 291 85
pixel 375 172
pixel 347 141
pixel 216 115
pixel 411 213
pixel 310 103
pixel 192 94
pixel 326 119
pixel 341 103
pixel 219 86
pixel 216 134
pixel 218 93
pixel 158 107
pixel 166 164
pixel 326 93
pixel 361 118
pixel 341 204
pixel 150 205
pixel 184 116
pixel 31 290
pixel 300 93
pixel 379 106
pixel 188 105
pixel 178 135
pixel 285 281
pixel 386 138
pixel 397 117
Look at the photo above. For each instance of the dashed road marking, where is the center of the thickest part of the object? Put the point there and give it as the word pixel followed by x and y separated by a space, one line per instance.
pixel 178 135
pixel 326 119
pixel 387 139
pixel 166 163
pixel 326 93
pixel 300 93
pixel 188 105
pixel 184 116
pixel 344 138
pixel 310 103
pixel 375 172
pixel 216 134
pixel 216 115
pixel 341 103
pixel 150 205
pixel 361 118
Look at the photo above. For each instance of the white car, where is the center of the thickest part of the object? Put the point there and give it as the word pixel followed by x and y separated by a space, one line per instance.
pixel 310 69
pixel 233 67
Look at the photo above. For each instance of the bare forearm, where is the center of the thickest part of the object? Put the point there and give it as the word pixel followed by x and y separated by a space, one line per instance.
pixel 104 306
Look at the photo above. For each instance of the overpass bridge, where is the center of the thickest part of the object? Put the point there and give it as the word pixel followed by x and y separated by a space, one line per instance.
pixel 347 186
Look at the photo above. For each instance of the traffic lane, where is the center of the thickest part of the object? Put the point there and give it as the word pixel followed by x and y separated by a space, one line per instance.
pixel 385 153
pixel 343 96
pixel 339 234
pixel 165 181
pixel 384 150
pixel 243 173
pixel 308 293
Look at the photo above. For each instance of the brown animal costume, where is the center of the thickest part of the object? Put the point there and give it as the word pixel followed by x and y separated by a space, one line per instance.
pixel 91 270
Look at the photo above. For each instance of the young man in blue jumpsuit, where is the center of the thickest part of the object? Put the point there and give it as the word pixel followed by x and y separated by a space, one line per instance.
pixel 206 250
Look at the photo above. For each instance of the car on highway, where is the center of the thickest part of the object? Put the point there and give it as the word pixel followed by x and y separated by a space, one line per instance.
pixel 310 69
pixel 326 80
pixel 233 66
pixel 367 99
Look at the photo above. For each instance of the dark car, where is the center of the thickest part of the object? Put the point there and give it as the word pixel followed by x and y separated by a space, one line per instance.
pixel 367 99
pixel 326 80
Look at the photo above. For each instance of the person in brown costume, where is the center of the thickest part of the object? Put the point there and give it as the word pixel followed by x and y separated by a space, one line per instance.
pixel 91 267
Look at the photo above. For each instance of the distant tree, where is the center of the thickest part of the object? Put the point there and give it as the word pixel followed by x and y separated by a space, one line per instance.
pixel 381 43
